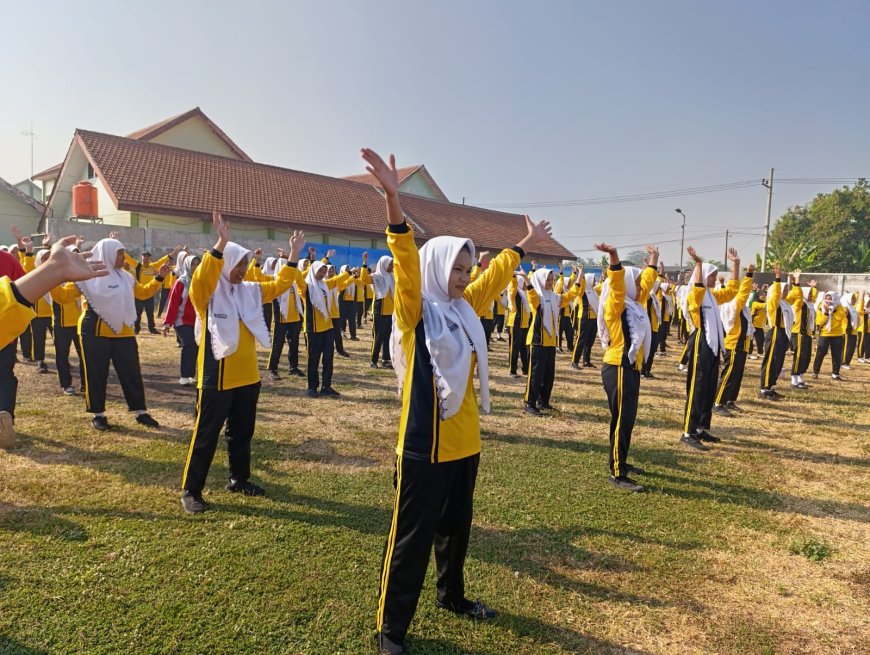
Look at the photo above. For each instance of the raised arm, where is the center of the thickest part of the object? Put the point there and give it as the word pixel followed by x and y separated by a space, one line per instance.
pixel 273 288
pixel 730 291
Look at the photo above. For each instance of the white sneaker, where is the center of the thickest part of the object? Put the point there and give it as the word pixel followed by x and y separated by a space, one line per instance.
pixel 191 381
pixel 7 432
pixel 184 382
pixel 69 391
pixel 846 367
pixel 753 357
pixel 860 360
pixel 834 376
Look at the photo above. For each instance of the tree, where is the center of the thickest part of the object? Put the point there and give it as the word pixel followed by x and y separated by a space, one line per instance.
pixel 635 257
pixel 831 233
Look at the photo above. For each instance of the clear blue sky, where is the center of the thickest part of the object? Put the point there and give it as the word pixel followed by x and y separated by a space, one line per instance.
pixel 505 102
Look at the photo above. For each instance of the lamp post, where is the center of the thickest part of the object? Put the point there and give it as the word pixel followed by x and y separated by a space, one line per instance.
pixel 682 238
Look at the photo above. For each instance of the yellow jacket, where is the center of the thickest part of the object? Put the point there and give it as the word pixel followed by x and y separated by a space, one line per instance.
pixel 695 298
pixel 89 316
pixel 538 335
pixel 66 298
pixel 144 274
pixel 15 315
pixel 614 308
pixel 380 306
pixel 839 319
pixel 736 337
pixel 516 307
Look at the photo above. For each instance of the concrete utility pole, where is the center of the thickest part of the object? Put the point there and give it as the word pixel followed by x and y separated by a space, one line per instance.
pixel 725 261
pixel 769 184
pixel 682 238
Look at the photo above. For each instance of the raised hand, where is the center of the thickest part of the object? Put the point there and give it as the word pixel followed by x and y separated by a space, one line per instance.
pixel 365 258
pixel 605 247
pixel 297 243
pixel 164 270
pixel 751 269
pixel 652 251
pixel 258 253
pixel 777 271
pixel 26 243
pixel 79 241
pixel 535 232
pixel 387 176
pixel 694 255
pixel 114 234
pixel 813 284
pixel 221 227
pixel 74 267
pixel 16 233
pixel 46 240
pixel 483 256
pixel 732 255
pixel 330 253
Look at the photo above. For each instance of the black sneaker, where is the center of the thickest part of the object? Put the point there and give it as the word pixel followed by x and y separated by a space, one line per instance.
pixel 692 441
pixel 589 365
pixel 515 375
pixel 575 365
pixel 776 394
pixel 534 411
pixel 312 393
pixel 815 376
pixel 733 407
pixel 626 483
pixel 547 407
pixel 631 468
pixel 154 330
pixel 475 609
pixel 101 423
pixel 721 410
pixel 41 367
pixel 386 364
pixel 373 365
pixel 193 503
pixel 147 420
pixel 295 371
pixel 344 353
pixel 767 394
pixel 354 339
pixel 648 376
pixel 329 392
pixel 273 375
pixel 703 435
pixel 387 646
pixel 244 487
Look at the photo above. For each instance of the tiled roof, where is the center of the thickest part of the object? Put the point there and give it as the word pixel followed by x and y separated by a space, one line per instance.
pixel 148 133
pixel 20 195
pixel 149 177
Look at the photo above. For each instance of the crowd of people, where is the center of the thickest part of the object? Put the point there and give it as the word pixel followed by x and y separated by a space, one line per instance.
pixel 434 311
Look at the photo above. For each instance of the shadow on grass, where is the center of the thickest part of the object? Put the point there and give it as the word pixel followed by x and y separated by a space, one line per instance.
pixel 11 647
pixel 40 523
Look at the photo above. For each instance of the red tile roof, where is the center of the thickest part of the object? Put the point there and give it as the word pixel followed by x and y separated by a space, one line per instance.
pixel 149 177
pixel 20 195
pixel 148 133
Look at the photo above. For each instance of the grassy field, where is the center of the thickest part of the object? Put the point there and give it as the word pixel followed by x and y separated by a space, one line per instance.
pixel 760 546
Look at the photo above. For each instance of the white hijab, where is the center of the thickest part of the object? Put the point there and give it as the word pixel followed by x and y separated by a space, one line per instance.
pixel 382 280
pixel 352 286
pixel 284 298
pixel 639 327
pixel 714 331
pixel 111 297
pixel 845 300
pixel 785 309
pixel 657 306
pixel 728 314
pixel 184 273
pixel 549 303
pixel 318 292
pixel 231 303
pixel 591 296
pixel 270 266
pixel 453 329
pixel 521 292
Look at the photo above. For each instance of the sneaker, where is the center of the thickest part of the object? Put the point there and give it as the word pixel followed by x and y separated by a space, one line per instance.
pixel 803 385
pixel 373 365
pixel 387 646
pixel 575 365
pixel 834 376
pixel 476 609
pixel 767 394
pixel 515 375
pixel 845 367
pixel 153 330
pixel 721 410
pixel 273 375
pixel 681 367
pixel 731 406
pixel 297 372
pixel 534 411
pixel 244 487
pixel 192 381
pixel 193 503
pixel 386 364
pixel 815 376
pixel 344 353
pixel 69 391
pixel 649 376
pixel 42 367
pixel 753 357
pixel 101 423
pixel 776 394
pixel 626 483
pixel 692 441
pixel 147 420
pixel 354 339
pixel 184 382
pixel 589 365
pixel 329 392
pixel 631 468
pixel 312 393
pixel 703 435
pixel 7 431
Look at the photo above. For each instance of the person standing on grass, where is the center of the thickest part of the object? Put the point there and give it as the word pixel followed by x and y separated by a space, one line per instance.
pixel 384 285
pixel 438 344
pixel 780 316
pixel 587 311
pixel 831 317
pixel 229 321
pixel 654 312
pixel 849 300
pixel 66 319
pixel 546 311
pixel 802 330
pixel 39 326
pixel 144 271
pixel 347 305
pixel 864 328
pixel 706 342
pixel 626 334
pixel 335 307
pixel 566 325
pixel 667 300
pixel 499 308
pixel 737 323
pixel 519 317
pixel 181 316
pixel 288 311
pixel 758 307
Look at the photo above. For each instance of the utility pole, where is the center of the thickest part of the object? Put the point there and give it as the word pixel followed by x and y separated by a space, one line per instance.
pixel 682 238
pixel 769 184
pixel 31 134
pixel 725 260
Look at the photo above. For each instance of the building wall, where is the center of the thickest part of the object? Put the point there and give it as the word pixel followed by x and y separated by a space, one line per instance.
pixel 15 212
pixel 195 134
pixel 417 186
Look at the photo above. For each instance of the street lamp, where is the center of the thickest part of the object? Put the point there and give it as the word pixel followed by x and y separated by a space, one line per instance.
pixel 682 238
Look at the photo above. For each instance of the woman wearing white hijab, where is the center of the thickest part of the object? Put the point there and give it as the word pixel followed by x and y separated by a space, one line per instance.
pixel 66 306
pixel 706 343
pixel 587 328
pixel 737 323
pixel 780 316
pixel 654 312
pixel 347 303
pixel 543 335
pixel 229 320
pixel 288 311
pixel 831 317
pixel 438 344
pixel 849 300
pixel 181 316
pixel 518 320
pixel 266 273
pixel 623 306
pixel 864 328
pixel 335 307
pixel 803 328
pixel 106 333
pixel 384 284
pixel 40 325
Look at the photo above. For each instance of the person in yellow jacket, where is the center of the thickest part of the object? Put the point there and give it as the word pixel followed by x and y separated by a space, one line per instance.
pixel 229 321
pixel 487 317
pixel 665 295
pixel 383 282
pixel 802 330
pixel 587 321
pixel 348 303
pixel 758 308
pixel 518 320
pixel 439 343
pixel 547 310
pixel 623 326
pixel 706 343
pixel 17 298
pixel 654 311
pixel 780 316
pixel 566 325
pixel 737 321
pixel 499 308
pixel 40 325
pixel 106 333
pixel 288 310
pixel 849 301
pixel 145 270
pixel 831 317
pixel 335 307
pixel 66 318
pixel 864 328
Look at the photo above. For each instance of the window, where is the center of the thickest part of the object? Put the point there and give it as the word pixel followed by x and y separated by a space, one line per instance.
pixel 91 174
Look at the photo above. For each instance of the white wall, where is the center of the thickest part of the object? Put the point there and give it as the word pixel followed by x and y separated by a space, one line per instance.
pixel 195 134
pixel 15 212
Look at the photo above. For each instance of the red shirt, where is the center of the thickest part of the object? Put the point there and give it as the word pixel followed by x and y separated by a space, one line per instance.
pixel 188 316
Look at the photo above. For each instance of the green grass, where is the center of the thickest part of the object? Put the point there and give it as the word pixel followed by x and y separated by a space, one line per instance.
pixel 98 557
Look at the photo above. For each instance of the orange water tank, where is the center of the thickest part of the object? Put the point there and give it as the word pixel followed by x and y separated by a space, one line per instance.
pixel 84 199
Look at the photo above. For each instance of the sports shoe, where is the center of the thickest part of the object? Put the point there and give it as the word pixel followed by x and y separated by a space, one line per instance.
pixel 753 357
pixel 846 367
pixel 703 435
pixel 386 646
pixel 373 365
pixel 575 365
pixel 626 483
pixel 354 339
pixel 296 372
pixel 101 423
pixel 815 376
pixel 273 375
pixel 343 353
pixel 731 406
pixel 547 407
pixel 329 392
pixel 589 365
pixel 153 330
pixel 193 503
pixel 42 367
pixel 184 382
pixel 721 410
pixel 7 431
pixel 475 609
pixel 767 394
pixel 834 376
pixel 534 411
pixel 244 487
pixel 147 420
pixel 515 375
pixel 312 393
pixel 693 441
pixel 69 391
pixel 386 364
pixel 776 394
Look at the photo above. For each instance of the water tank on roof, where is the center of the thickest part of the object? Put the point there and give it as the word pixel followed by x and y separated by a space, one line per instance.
pixel 84 200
